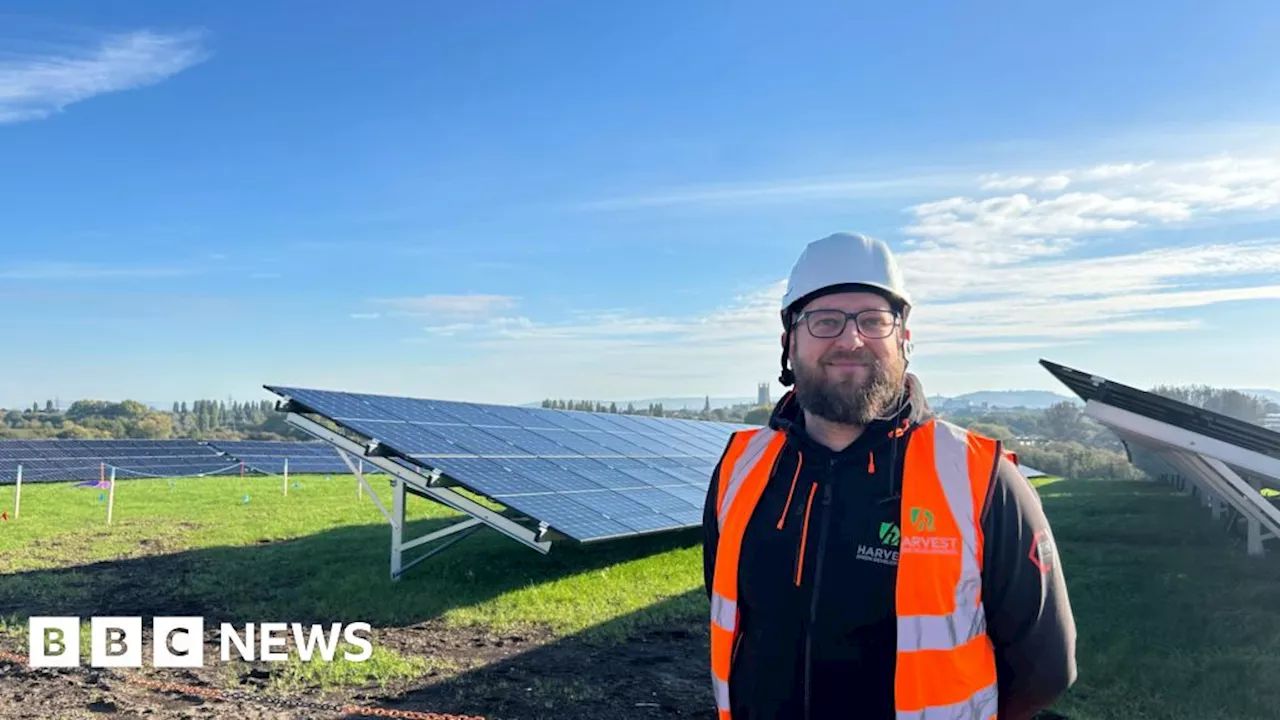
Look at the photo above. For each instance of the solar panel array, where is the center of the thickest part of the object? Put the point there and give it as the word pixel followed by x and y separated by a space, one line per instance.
pixel 267 456
pixel 54 460
pixel 590 476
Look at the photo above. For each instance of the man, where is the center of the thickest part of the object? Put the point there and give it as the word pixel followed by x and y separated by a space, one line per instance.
pixel 863 558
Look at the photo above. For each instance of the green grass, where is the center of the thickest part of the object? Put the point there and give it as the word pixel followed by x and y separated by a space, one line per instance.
pixel 318 553
pixel 1174 620
pixel 383 668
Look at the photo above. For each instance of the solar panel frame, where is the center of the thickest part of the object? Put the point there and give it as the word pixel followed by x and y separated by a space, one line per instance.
pixel 1189 417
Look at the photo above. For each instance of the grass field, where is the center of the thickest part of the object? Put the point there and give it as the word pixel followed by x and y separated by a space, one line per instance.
pixel 1174 620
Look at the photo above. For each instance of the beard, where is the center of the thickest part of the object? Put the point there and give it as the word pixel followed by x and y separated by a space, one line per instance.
pixel 850 400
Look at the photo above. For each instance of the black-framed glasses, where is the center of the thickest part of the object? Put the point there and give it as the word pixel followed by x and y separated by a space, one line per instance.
pixel 831 323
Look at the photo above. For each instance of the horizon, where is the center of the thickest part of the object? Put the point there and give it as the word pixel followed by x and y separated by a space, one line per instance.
pixel 603 202
pixel 1268 394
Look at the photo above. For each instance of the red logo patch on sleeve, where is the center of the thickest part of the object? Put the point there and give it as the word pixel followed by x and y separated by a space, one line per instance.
pixel 1042 551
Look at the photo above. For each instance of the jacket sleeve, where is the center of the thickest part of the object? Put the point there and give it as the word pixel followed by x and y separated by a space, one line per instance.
pixel 710 529
pixel 1029 617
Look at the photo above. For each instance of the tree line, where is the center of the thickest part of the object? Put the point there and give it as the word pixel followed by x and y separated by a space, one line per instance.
pixel 737 413
pixel 101 420
pixel 1059 440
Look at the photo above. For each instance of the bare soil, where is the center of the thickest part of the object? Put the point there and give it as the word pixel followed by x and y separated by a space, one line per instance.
pixel 656 671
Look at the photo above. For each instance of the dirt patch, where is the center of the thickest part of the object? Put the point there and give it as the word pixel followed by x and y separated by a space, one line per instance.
pixel 654 672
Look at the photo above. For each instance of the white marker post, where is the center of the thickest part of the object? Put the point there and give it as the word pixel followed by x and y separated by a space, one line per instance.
pixel 111 495
pixel 286 477
pixel 360 480
pixel 17 494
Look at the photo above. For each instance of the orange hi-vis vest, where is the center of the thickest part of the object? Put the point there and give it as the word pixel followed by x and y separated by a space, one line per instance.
pixel 945 662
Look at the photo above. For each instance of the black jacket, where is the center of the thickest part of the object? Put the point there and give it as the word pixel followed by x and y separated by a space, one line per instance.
pixel 819 628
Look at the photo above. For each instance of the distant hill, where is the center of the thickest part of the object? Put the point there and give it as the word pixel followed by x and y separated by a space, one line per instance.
pixel 1272 395
pixel 1032 399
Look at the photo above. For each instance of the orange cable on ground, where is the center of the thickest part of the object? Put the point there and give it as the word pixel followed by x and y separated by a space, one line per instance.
pixel 228 695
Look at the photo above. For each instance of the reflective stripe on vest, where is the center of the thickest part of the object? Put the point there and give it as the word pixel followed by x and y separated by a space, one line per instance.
pixel 945 662
pixel 744 473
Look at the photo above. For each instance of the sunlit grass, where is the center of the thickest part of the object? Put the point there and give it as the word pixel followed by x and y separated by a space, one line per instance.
pixel 1175 621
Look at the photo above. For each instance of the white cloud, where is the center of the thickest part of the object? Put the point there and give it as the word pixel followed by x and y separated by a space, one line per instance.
pixel 1107 172
pixel 996 182
pixel 992 273
pixel 366 316
pixel 37 86
pixel 1023 182
pixel 785 191
pixel 1054 182
pixel 451 306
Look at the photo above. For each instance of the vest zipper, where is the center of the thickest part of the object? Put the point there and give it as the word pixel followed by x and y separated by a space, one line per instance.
pixel 813 596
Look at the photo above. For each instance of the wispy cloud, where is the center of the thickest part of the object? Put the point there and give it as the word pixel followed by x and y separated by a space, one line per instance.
pixel 785 191
pixel 1023 182
pixel 1036 269
pixel 365 316
pixel 35 86
pixel 451 307
pixel 52 271
pixel 995 271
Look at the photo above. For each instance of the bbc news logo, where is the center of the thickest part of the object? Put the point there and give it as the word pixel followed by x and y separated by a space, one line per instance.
pixel 178 642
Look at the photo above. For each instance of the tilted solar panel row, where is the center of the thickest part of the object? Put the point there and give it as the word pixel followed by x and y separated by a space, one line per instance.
pixel 590 476
pixel 1206 422
pixel 100 449
pixel 80 460
pixel 56 459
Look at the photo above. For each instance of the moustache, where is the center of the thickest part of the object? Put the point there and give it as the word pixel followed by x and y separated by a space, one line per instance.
pixel 862 358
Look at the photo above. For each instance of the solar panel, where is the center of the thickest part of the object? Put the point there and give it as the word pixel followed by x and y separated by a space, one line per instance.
pixel 589 476
pixel 82 460
pixel 1228 460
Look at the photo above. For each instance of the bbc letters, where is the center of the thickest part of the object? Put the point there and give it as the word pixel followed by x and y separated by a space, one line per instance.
pixel 178 642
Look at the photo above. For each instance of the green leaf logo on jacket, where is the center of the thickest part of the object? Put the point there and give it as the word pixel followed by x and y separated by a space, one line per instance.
pixel 922 519
pixel 890 534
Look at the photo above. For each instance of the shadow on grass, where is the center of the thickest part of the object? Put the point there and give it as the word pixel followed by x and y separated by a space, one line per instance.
pixel 339 575
pixel 650 663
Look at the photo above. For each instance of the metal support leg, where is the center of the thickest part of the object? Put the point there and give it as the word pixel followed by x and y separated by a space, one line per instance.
pixel 397 526
pixel 429 485
pixel 1255 527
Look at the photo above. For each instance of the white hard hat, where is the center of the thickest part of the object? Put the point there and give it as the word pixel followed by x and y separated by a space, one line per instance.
pixel 844 261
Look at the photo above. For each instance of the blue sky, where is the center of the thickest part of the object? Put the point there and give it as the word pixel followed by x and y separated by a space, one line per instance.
pixel 504 202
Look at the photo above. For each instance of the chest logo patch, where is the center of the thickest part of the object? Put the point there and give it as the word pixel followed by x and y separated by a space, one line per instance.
pixel 887 552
